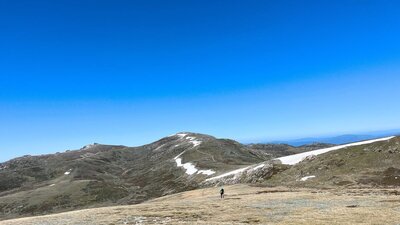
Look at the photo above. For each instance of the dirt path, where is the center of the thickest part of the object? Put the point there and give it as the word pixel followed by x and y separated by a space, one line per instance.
pixel 243 205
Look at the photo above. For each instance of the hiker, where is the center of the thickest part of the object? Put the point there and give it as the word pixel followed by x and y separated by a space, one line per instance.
pixel 222 191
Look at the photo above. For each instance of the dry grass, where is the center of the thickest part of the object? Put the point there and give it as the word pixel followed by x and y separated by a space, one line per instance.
pixel 244 205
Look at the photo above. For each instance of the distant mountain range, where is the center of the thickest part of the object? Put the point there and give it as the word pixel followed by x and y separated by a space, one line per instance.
pixel 338 140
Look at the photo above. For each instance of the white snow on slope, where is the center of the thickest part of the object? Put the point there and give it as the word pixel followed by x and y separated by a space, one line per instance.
pixel 193 141
pixel 206 172
pixel 258 167
pixel 306 178
pixel 181 135
pixel 296 158
pixel 234 172
pixel 68 172
pixel 159 147
pixel 190 168
pixel 293 159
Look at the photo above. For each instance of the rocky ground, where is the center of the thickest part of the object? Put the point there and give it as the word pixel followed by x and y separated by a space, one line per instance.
pixel 244 204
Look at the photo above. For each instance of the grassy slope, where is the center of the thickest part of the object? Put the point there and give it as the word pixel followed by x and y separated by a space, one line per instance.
pixel 372 165
pixel 243 204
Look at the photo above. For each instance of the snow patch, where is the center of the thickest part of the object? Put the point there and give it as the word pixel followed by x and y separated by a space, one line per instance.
pixel 307 177
pixel 258 167
pixel 229 173
pixel 206 172
pixel 238 171
pixel 181 135
pixel 159 147
pixel 296 158
pixel 194 141
pixel 190 168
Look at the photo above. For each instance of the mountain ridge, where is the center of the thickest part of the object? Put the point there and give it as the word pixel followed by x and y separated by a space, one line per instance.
pixel 99 175
pixel 102 175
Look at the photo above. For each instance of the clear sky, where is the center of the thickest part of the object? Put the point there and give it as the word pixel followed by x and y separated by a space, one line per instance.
pixel 75 72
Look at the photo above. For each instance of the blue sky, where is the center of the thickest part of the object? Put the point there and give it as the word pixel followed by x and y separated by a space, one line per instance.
pixel 130 72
